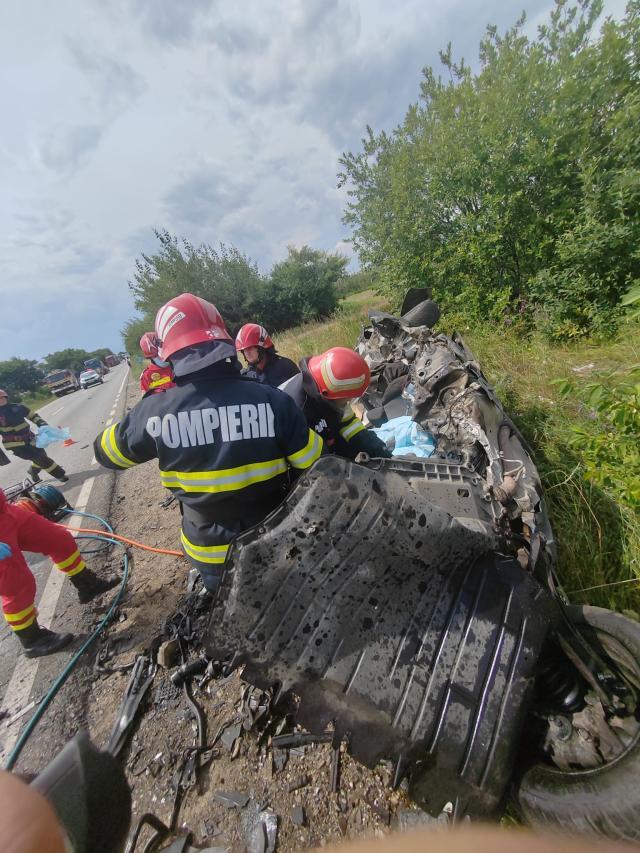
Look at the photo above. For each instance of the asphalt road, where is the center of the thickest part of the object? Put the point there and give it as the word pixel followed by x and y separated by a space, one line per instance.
pixel 89 488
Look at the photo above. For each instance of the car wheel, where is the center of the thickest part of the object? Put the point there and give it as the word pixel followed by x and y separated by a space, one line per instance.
pixel 602 799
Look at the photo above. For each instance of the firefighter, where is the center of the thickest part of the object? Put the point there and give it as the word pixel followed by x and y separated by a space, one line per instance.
pixel 263 362
pixel 323 389
pixel 23 529
pixel 227 446
pixel 17 437
pixel 158 376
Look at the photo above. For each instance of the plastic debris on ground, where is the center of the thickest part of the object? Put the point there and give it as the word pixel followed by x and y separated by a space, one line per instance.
pixel 404 436
pixel 48 435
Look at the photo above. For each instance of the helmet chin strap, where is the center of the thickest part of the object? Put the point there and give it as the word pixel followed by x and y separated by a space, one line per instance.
pixel 262 361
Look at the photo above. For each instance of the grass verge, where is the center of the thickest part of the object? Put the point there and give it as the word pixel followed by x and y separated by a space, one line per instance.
pixel 37 399
pixel 598 535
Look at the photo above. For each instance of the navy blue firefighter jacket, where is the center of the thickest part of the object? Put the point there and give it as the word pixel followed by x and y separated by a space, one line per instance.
pixel 225 446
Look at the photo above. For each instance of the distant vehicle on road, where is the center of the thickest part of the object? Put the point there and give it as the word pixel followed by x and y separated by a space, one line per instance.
pixel 61 382
pixel 97 365
pixel 90 377
pixel 111 360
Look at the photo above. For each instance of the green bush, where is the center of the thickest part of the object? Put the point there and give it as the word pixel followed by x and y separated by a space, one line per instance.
pixel 298 289
pixel 514 191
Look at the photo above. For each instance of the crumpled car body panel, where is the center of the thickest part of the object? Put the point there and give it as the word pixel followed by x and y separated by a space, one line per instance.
pixel 392 618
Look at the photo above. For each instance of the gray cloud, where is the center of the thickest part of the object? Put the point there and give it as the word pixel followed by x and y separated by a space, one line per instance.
pixel 216 121
pixel 83 260
pixel 206 196
pixel 67 149
pixel 171 22
pixel 115 83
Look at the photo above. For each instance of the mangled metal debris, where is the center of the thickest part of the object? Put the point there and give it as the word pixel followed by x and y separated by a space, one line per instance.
pixel 141 679
pixel 232 799
pixel 391 620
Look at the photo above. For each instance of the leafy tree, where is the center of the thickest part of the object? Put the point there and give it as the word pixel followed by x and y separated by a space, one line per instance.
pixel 131 333
pixel 19 375
pixel 301 288
pixel 516 187
pixel 225 277
pixel 67 359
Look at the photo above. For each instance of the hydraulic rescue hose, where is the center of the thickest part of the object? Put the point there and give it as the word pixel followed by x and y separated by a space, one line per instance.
pixel 110 538
pixel 122 539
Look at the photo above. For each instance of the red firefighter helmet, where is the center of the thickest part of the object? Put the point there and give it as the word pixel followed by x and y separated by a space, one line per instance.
pixel 253 335
pixel 149 344
pixel 186 320
pixel 340 373
pixel 3 393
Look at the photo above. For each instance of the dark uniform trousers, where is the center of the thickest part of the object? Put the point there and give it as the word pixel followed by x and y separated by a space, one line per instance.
pixel 18 438
pixel 226 447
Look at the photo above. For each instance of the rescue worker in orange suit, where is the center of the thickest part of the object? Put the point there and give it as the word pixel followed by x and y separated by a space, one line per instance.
pixel 158 376
pixel 263 362
pixel 17 437
pixel 323 389
pixel 23 529
pixel 227 446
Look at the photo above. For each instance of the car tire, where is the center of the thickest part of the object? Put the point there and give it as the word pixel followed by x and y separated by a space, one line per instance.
pixel 602 801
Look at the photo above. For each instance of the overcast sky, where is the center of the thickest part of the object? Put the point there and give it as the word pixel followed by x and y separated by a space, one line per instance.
pixel 219 121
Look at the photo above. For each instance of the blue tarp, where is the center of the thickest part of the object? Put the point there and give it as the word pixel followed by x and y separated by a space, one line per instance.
pixel 48 434
pixel 404 436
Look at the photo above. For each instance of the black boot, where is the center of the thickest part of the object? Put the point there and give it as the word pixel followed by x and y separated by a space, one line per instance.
pixel 34 475
pixel 59 473
pixel 90 585
pixel 38 641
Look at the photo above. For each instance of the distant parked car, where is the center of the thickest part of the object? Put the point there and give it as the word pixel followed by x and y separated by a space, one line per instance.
pixel 88 378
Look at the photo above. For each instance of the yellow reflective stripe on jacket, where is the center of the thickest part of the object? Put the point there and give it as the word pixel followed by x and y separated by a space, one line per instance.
pixel 159 382
pixel 10 444
pixel 111 449
pixel 204 553
pixel 302 459
pixel 224 480
pixel 352 428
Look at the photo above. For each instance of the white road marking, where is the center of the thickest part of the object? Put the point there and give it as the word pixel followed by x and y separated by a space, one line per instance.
pixel 25 671
pixel 56 411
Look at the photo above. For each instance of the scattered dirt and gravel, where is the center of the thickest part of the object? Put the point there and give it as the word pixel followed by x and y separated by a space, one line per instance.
pixel 285 788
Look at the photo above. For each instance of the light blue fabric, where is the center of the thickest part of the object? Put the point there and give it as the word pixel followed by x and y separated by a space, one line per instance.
pixel 48 434
pixel 404 436
pixel 5 551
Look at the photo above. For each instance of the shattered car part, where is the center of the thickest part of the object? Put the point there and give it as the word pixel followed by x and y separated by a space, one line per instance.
pixel 261 830
pixel 144 670
pixel 454 402
pixel 232 799
pixel 391 618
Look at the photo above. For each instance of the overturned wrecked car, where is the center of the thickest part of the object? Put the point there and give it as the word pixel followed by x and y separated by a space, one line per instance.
pixel 411 605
